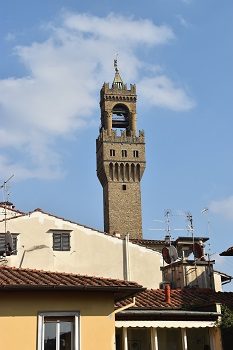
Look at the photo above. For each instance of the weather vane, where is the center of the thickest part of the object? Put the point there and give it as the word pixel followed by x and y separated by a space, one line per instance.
pixel 115 63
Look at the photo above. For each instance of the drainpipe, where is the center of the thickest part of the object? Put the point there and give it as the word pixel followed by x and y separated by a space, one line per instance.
pixel 124 331
pixel 125 307
pixel 127 265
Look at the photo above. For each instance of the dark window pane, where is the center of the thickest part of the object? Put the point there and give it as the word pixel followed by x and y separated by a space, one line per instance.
pixel 59 330
pixel 170 338
pixel 65 241
pixel 198 338
pixel 119 339
pixel 50 336
pixel 3 243
pixel 56 241
pixel 139 339
pixel 14 238
pixel 66 333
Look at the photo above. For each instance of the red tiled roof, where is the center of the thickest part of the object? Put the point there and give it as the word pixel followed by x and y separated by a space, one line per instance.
pixel 186 298
pixel 16 278
pixel 13 217
pixel 12 209
pixel 228 252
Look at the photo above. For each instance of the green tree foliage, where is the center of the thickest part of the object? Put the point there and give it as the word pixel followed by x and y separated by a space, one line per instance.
pixel 227 318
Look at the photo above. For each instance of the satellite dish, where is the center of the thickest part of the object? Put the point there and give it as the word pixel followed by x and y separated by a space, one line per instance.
pixel 169 254
pixel 8 243
pixel 198 251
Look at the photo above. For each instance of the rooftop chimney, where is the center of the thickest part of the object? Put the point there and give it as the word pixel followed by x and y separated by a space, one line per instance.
pixel 167 290
pixel 7 205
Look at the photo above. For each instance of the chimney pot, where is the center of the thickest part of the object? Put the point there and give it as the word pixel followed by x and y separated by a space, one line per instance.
pixel 167 291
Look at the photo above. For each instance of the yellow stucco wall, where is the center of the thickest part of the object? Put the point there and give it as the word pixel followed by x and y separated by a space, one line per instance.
pixel 19 317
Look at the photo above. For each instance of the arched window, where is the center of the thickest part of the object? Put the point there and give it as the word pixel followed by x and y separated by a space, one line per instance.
pixel 127 172
pixel 111 171
pixel 138 172
pixel 116 175
pixel 122 172
pixel 120 116
pixel 133 172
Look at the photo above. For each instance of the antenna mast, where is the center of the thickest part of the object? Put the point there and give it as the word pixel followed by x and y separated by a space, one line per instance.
pixel 167 221
pixel 4 186
pixel 168 228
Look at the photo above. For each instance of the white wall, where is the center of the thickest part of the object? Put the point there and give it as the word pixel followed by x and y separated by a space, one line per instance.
pixel 92 252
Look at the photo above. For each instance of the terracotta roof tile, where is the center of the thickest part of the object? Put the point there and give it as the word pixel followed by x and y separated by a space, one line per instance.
pixel 16 277
pixel 187 298
pixel 2 206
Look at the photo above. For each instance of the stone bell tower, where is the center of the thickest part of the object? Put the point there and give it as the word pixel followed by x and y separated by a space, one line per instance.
pixel 120 152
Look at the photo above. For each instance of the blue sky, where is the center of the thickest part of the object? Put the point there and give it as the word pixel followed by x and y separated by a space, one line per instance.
pixel 55 56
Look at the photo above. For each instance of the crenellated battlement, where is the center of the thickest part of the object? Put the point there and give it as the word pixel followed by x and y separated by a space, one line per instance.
pixel 122 138
pixel 106 89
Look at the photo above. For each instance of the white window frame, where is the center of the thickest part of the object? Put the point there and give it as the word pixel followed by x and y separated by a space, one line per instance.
pixel 41 317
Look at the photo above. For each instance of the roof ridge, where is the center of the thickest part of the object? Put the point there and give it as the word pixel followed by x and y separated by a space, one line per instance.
pixel 12 209
pixel 14 217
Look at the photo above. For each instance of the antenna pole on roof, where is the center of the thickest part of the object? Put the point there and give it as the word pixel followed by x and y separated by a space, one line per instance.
pixel 167 215
pixel 5 197
pixel 206 212
pixel 8 238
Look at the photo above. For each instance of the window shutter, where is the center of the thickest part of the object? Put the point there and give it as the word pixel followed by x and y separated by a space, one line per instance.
pixel 2 242
pixel 56 241
pixel 65 241
pixel 61 241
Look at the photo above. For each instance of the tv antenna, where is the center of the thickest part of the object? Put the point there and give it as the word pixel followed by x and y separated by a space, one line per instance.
pixel 8 237
pixel 169 252
pixel 167 229
pixel 205 211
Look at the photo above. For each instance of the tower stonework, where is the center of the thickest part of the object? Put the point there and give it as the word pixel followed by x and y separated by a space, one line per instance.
pixel 120 159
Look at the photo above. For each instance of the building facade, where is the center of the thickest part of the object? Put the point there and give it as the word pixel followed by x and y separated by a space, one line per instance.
pixel 45 241
pixel 58 311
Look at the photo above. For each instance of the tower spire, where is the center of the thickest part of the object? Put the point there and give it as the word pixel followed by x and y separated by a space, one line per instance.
pixel 117 81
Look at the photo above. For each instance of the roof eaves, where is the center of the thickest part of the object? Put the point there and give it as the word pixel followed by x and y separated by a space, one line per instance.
pixel 119 292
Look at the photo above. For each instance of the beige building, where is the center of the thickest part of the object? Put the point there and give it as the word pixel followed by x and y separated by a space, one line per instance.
pixel 44 241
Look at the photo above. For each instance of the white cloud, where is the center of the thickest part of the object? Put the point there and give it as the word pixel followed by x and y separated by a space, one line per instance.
pixel 161 91
pixel 119 28
pixel 223 207
pixel 59 93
